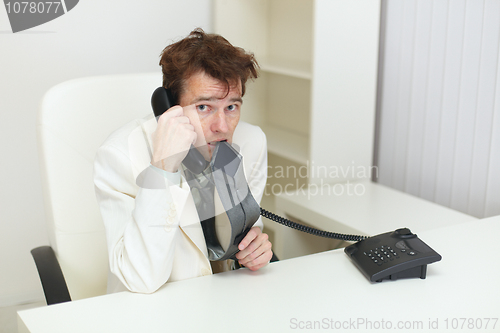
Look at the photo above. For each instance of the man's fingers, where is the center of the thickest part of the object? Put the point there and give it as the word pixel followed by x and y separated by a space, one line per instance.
pixel 260 261
pixel 251 248
pixel 255 255
pixel 181 120
pixel 174 111
pixel 250 236
pixel 258 251
pixel 172 139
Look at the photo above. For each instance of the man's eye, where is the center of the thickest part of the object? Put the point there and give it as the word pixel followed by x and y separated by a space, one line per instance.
pixel 231 107
pixel 202 108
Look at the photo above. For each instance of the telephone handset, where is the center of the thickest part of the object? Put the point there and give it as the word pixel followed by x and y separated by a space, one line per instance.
pixel 161 101
pixel 392 255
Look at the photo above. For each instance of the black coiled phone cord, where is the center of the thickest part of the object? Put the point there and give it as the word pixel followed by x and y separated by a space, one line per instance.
pixel 309 230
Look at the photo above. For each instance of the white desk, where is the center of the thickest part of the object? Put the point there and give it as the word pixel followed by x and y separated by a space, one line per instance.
pixel 290 294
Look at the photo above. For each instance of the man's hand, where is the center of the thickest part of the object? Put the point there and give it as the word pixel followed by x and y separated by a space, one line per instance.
pixel 172 139
pixel 255 250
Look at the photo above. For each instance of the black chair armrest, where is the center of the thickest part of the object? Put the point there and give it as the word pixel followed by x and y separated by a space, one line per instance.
pixel 51 276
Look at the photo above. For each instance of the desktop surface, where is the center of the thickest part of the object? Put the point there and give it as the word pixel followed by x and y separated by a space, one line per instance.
pixel 324 291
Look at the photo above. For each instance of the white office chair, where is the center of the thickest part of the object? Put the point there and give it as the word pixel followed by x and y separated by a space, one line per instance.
pixel 74 119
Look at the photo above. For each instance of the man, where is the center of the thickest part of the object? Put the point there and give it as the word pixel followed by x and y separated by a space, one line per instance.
pixel 152 226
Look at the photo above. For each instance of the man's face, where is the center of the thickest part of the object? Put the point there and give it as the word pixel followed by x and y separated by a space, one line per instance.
pixel 215 114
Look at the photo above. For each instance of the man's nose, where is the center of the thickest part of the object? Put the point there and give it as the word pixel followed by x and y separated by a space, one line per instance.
pixel 219 123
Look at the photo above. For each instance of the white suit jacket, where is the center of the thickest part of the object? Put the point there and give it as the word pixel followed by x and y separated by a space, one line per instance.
pixel 153 232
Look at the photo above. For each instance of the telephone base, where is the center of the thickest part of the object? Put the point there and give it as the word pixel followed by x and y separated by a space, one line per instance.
pixel 418 271
pixel 392 256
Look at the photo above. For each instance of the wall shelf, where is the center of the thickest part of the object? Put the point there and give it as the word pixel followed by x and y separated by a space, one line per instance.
pixel 297 69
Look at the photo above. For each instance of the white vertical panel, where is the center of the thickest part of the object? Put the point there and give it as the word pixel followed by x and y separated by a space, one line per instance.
pixel 493 186
pixel 343 93
pixel 488 68
pixel 439 126
pixel 493 182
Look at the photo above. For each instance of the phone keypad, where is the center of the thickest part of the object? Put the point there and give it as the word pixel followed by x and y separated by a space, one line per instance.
pixel 382 254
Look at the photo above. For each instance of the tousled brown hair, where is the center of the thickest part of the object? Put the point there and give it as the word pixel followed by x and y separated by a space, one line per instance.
pixel 209 53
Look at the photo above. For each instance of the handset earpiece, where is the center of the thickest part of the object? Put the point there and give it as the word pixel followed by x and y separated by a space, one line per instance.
pixel 162 100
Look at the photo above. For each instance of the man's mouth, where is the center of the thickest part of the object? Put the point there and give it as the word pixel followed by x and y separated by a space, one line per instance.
pixel 212 144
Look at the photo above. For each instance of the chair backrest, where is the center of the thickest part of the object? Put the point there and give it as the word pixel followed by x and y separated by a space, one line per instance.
pixel 74 119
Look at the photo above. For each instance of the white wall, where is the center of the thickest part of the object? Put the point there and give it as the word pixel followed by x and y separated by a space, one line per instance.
pixel 95 38
pixel 440 102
